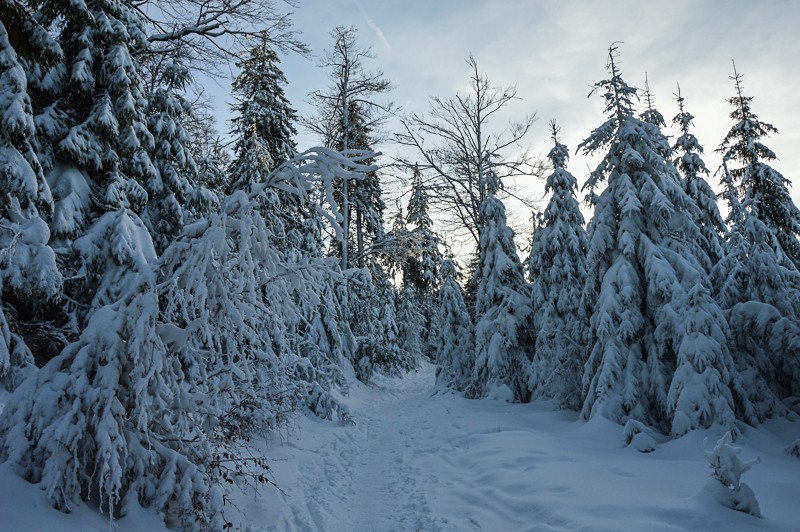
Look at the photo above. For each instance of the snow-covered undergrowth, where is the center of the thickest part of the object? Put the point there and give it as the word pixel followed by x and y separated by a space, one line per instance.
pixel 414 461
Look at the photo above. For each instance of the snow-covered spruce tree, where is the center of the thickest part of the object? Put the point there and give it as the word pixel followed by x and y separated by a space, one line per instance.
pixel 395 246
pixel 454 347
pixel 94 140
pixel 381 345
pixel 374 321
pixel 263 128
pixel 558 254
pixel 764 312
pixel 374 304
pixel 365 196
pixel 706 388
pixel 729 277
pixel 29 277
pixel 209 153
pixel 97 122
pixel 411 325
pixel 422 272
pixel 761 188
pixel 504 338
pixel 642 267
pixel 737 279
pixel 424 276
pixel 111 418
pixel 757 281
pixel 262 108
pixel 347 118
pixel 651 115
pixel 173 192
pixel 259 326
pixel 691 166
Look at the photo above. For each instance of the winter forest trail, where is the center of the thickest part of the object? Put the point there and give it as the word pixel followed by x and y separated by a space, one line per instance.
pixel 421 462
pixel 365 477
pixel 415 461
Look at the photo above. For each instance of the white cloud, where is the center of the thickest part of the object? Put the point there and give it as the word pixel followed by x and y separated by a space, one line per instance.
pixel 375 28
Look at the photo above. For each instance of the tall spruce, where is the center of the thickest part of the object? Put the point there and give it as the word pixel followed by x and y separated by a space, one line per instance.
pixel 110 418
pixel 557 265
pixel 29 277
pixel 411 326
pixel 263 111
pixel 645 362
pixel 347 114
pixel 425 272
pixel 263 129
pixel 504 331
pixel 114 424
pixel 454 342
pixel 365 195
pixel 97 122
pixel 762 190
pixel 688 161
pixel 425 260
pixel 758 281
pixel 174 191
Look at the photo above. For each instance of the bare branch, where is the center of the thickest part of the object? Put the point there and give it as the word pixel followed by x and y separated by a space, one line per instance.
pixel 458 149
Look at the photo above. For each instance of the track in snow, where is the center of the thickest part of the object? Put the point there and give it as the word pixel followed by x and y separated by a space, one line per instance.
pixel 417 462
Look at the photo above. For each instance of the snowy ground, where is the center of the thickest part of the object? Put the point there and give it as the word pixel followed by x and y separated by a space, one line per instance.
pixel 419 462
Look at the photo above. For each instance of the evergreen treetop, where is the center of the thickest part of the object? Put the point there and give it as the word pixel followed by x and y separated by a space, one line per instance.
pixel 688 161
pixel 762 190
pixel 557 265
pixel 262 108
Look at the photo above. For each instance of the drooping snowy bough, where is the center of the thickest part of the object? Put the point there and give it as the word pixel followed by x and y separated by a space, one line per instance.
pixel 184 356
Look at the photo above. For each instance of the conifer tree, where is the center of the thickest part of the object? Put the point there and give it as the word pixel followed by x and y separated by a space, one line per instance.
pixel 454 342
pixel 642 263
pixel 745 282
pixel 97 123
pixel 762 190
pixel 411 324
pixel 758 280
pixel 504 331
pixel 110 418
pixel 263 111
pixel 425 270
pixel 351 95
pixel 691 166
pixel 373 315
pixel 651 115
pixel 423 267
pixel 211 157
pixel 264 126
pixel 29 277
pixel 557 265
pixel 395 245
pixel 365 196
pixel 174 190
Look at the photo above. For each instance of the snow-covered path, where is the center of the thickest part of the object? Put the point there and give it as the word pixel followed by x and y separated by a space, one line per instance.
pixel 363 477
pixel 438 463
pixel 417 462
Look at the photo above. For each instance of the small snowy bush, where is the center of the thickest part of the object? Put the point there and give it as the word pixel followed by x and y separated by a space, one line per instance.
pixel 726 485
pixel 794 448
pixel 639 436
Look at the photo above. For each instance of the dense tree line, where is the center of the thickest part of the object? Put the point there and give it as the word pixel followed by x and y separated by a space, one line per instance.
pixel 657 310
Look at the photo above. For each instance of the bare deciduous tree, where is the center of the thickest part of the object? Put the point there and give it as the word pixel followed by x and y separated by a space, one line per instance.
pixel 207 35
pixel 459 148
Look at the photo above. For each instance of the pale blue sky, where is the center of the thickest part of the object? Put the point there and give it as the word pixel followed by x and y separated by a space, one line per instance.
pixel 554 51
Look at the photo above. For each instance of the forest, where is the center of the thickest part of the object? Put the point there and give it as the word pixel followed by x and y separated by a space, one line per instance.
pixel 170 293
